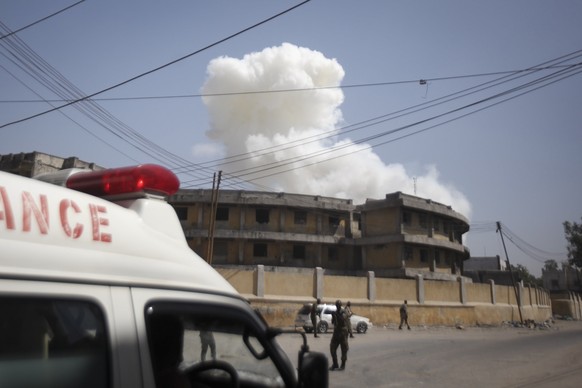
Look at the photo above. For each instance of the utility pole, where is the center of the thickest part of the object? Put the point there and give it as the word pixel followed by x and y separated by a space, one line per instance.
pixel 212 222
pixel 510 272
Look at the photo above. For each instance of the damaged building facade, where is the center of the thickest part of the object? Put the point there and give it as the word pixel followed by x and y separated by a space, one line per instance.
pixel 398 236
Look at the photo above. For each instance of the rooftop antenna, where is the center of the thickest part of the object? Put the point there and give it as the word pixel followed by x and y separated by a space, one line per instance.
pixel 414 180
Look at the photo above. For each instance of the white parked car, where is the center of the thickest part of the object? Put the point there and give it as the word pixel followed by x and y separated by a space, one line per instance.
pixel 359 323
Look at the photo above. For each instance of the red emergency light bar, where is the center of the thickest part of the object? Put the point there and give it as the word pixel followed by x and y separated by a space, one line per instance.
pixel 145 178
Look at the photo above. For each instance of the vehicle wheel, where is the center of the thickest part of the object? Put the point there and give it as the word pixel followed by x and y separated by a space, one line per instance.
pixel 308 329
pixel 322 327
pixel 362 327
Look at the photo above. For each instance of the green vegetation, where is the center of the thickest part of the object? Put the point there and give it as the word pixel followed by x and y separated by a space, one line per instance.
pixel 573 233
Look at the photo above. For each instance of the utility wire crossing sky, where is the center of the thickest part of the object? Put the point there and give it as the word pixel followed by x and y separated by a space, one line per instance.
pixel 471 105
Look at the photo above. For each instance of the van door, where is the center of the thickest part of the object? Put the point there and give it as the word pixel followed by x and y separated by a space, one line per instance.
pixel 194 338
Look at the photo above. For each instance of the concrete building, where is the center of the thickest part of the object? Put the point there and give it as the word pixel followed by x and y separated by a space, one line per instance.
pixel 486 268
pixel 398 236
pixel 34 163
pixel 565 279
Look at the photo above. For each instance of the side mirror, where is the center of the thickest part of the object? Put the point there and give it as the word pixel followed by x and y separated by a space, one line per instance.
pixel 312 366
pixel 313 370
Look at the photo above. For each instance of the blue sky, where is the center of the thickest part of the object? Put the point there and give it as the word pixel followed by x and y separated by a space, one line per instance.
pixel 494 155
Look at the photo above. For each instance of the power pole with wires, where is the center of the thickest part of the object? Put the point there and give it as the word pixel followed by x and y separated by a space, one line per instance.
pixel 510 272
pixel 212 221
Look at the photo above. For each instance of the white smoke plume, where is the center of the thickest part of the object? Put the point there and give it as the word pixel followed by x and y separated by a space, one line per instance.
pixel 260 123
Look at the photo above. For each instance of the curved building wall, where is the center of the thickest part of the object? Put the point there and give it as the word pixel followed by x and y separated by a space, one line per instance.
pixel 281 229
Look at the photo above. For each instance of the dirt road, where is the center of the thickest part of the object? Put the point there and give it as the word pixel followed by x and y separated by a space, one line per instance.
pixel 450 357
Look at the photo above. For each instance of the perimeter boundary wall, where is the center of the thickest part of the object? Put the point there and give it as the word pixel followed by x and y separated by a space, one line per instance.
pixel 279 292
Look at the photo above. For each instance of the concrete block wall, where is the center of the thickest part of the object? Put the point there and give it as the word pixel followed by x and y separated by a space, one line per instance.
pixel 279 295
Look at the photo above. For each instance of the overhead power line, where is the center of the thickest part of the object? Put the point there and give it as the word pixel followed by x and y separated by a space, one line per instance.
pixel 390 116
pixel 83 98
pixel 349 86
pixel 40 20
pixel 490 101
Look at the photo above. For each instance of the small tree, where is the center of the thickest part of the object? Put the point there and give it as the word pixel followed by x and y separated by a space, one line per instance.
pixel 550 265
pixel 573 233
pixel 524 275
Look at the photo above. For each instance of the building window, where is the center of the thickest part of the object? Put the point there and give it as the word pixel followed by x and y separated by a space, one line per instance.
pixel 358 220
pixel 407 253
pixel 262 216
pixel 446 227
pixel 422 220
pixel 182 213
pixel 300 218
pixel 437 225
pixel 437 257
pixel 334 222
pixel 221 214
pixel 260 250
pixel 555 284
pixel 332 254
pixel 299 252
pixel 424 256
pixel 406 218
pixel 220 248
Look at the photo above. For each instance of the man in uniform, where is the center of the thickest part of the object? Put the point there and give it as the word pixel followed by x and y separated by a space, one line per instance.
pixel 404 315
pixel 349 313
pixel 340 321
pixel 313 316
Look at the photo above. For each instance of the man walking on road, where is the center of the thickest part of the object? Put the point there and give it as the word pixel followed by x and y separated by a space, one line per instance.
pixel 313 316
pixel 339 338
pixel 404 315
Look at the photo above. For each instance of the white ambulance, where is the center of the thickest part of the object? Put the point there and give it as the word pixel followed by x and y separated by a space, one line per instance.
pixel 98 288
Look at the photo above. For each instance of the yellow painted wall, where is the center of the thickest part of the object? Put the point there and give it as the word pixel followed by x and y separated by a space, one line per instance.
pixel 286 292
pixel 288 284
pixel 346 287
pixel 395 289
pixel 242 280
pixel 478 292
pixel 439 291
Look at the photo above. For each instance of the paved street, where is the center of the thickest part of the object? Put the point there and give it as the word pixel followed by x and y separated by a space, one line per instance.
pixel 448 357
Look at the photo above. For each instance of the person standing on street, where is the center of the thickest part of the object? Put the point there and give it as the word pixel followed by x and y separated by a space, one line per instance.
pixel 340 321
pixel 313 316
pixel 349 313
pixel 404 315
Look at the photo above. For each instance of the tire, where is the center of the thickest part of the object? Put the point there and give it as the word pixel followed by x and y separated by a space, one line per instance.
pixel 308 329
pixel 322 327
pixel 362 327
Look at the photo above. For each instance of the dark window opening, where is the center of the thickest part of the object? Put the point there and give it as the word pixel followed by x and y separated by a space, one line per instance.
pixel 260 250
pixel 333 254
pixel 222 214
pixel 300 218
pixel 262 216
pixel 422 220
pixel 406 218
pixel 299 252
pixel 182 213
pixel 423 256
pixel 407 253
pixel 334 222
